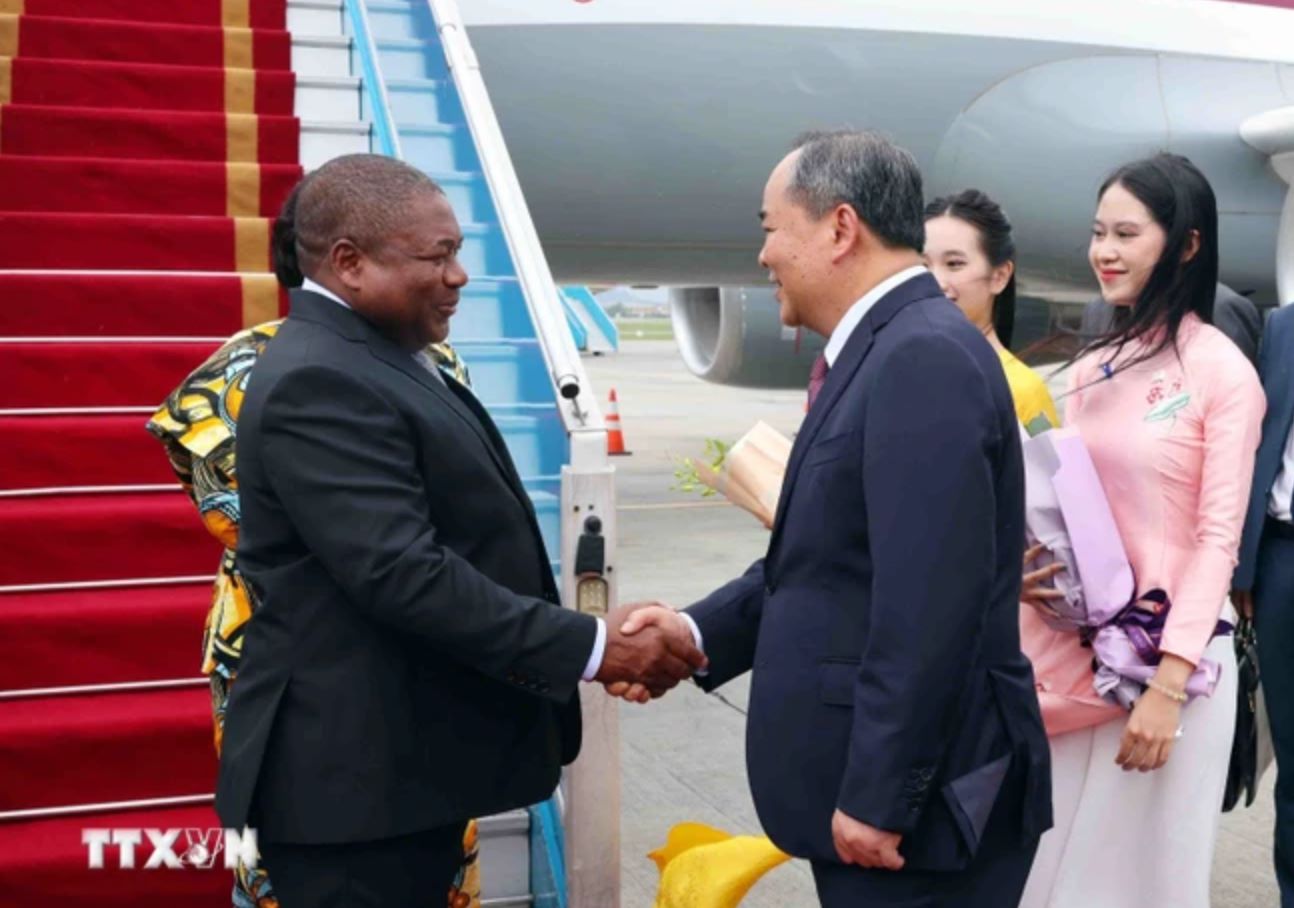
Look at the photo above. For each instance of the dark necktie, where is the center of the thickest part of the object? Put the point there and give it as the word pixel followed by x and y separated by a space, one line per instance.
pixel 817 377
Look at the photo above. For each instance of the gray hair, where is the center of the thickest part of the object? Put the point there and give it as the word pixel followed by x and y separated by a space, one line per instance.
pixel 364 198
pixel 870 174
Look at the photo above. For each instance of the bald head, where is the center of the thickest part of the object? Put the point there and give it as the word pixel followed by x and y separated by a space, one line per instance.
pixel 363 198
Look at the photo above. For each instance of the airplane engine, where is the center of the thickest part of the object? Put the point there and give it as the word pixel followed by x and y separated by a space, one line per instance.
pixel 733 336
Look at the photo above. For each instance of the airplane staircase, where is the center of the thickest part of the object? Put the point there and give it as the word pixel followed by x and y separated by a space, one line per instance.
pixel 593 329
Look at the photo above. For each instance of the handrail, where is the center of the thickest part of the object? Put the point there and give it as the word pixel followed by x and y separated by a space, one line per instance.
pixel 576 402
pixel 73 810
pixel 51 491
pixel 72 586
pixel 388 140
pixel 122 687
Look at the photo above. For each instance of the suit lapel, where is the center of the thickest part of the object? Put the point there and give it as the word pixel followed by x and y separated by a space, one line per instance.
pixel 351 325
pixel 478 422
pixel 498 447
pixel 838 379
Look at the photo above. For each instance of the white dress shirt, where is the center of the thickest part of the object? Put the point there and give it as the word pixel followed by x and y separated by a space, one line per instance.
pixel 320 289
pixel 422 359
pixel 854 316
pixel 1278 502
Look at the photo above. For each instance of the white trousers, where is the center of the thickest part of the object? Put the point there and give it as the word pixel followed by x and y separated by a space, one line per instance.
pixel 1132 839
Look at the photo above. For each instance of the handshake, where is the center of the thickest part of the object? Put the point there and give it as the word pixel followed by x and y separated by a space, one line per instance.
pixel 650 649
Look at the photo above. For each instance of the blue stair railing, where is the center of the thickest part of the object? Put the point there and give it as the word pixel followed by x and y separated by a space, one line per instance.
pixel 601 334
pixel 579 333
pixel 428 105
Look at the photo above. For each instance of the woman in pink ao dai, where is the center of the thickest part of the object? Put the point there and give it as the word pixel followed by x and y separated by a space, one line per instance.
pixel 1171 411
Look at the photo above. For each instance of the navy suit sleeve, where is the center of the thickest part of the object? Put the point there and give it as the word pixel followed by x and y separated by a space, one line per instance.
pixel 1267 465
pixel 343 465
pixel 930 463
pixel 729 623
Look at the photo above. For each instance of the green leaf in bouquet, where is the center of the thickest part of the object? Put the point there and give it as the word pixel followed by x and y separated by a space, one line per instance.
pixel 686 477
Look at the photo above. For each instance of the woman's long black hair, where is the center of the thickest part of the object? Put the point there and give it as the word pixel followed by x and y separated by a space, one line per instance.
pixel 986 216
pixel 1181 201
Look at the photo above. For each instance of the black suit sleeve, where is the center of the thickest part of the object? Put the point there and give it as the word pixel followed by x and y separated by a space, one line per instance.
pixel 343 464
pixel 1237 317
pixel 929 479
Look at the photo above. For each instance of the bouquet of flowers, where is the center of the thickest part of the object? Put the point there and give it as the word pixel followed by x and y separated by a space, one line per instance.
pixel 1067 512
pixel 748 473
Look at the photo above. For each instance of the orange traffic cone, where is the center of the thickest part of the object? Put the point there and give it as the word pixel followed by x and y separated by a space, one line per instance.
pixel 615 437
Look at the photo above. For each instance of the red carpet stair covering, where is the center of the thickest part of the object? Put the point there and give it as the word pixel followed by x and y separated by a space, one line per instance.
pixel 77 304
pixel 83 241
pixel 144 147
pixel 51 132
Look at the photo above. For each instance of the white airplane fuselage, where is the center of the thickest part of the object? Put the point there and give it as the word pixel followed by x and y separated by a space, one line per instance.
pixel 643 130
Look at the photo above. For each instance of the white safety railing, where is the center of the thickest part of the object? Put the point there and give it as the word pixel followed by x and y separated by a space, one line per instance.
pixel 591 786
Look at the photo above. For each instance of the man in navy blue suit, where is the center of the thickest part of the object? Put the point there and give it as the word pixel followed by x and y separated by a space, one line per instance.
pixel 894 735
pixel 1264 578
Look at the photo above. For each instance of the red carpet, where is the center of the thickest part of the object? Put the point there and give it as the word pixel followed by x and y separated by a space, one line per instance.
pixel 243 13
pixel 95 374
pixel 70 304
pixel 69 639
pixel 42 452
pixel 144 146
pixel 147 134
pixel 71 538
pixel 146 86
pixel 130 242
pixel 43 865
pixel 145 187
pixel 133 42
pixel 147 744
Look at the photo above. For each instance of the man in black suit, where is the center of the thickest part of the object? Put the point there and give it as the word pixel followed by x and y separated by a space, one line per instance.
pixel 1234 315
pixel 410 666
pixel 894 735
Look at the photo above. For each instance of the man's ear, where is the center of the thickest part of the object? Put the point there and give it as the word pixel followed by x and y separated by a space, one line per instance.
pixel 846 229
pixel 347 262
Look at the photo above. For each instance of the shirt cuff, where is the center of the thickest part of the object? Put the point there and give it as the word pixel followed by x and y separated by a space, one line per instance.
pixel 599 650
pixel 696 636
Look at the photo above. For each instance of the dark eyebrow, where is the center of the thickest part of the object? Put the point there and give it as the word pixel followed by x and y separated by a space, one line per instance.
pixel 1117 224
